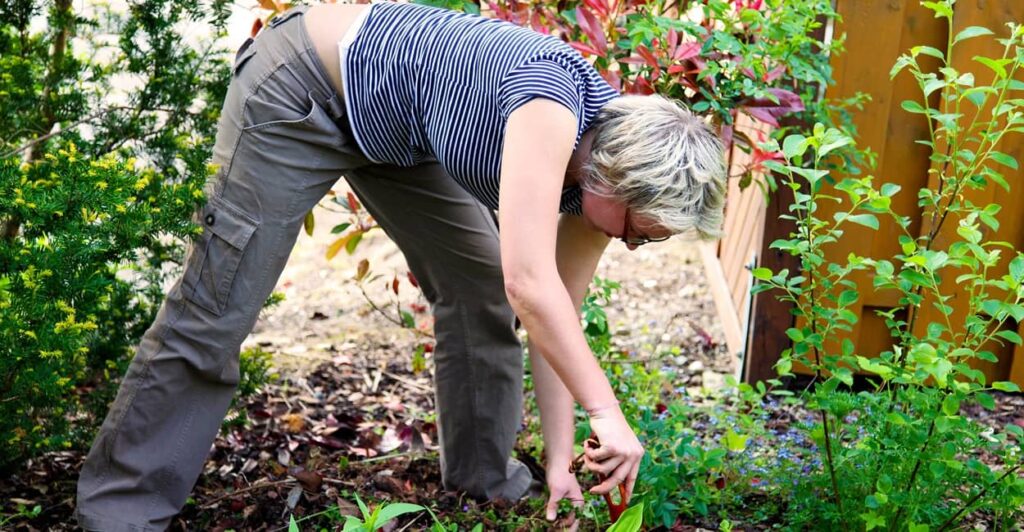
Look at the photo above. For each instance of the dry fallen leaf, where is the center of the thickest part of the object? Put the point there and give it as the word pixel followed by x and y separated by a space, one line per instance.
pixel 294 423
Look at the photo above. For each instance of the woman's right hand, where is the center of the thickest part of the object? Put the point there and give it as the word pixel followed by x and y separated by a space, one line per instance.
pixel 618 457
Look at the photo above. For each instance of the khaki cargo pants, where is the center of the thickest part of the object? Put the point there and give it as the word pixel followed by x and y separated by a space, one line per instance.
pixel 283 141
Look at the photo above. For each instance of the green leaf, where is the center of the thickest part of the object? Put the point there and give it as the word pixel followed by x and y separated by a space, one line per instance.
pixel 832 141
pixel 350 246
pixel 971 32
pixel 915 277
pixel 889 189
pixel 362 507
pixel 762 273
pixel 795 334
pixel 867 220
pixel 1005 386
pixel 340 227
pixel 912 106
pixel 309 223
pixel 977 95
pixel 985 400
pixel 896 418
pixel 353 524
pixel 844 375
pixel 873 367
pixel 871 519
pixel 630 520
pixel 394 510
pixel 847 297
pixel 736 443
pixel 1017 268
pixel 1010 336
pixel 997 66
pixel 1004 159
pixel 292 525
pixel 941 9
pixel 933 85
pixel 914 527
pixel 927 50
pixel 784 366
pixel 408 320
pixel 951 405
pixel 794 146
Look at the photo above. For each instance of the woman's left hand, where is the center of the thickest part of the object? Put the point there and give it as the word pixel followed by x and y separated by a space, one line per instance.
pixel 563 485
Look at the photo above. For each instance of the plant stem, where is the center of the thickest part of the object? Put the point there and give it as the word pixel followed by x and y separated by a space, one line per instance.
pixel 831 466
pixel 975 498
pixel 917 462
pixel 388 317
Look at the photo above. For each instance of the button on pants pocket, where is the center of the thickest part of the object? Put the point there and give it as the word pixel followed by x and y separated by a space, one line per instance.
pixel 214 258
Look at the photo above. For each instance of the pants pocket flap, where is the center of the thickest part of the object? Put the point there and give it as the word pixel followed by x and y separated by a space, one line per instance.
pixel 228 222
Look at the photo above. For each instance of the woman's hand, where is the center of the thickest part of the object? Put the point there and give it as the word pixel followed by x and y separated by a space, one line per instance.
pixel 563 485
pixel 618 457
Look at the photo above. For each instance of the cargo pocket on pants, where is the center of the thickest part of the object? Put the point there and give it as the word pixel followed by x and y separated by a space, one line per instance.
pixel 211 268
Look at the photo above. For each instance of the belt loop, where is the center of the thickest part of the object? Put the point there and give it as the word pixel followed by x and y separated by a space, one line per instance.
pixel 287 15
pixel 335 106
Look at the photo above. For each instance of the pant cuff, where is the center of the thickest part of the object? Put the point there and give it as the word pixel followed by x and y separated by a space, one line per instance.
pixel 92 523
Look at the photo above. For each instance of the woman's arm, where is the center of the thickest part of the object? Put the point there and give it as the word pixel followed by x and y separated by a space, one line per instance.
pixel 578 251
pixel 539 141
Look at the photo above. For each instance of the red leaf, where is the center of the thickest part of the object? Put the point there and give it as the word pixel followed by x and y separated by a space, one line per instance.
pixel 768 111
pixel 686 51
pixel 353 205
pixel 592 29
pixel 601 6
pixel 538 25
pixel 649 58
pixel 257 25
pixel 642 86
pixel 394 285
pixel 774 74
pixel 584 49
pixel 633 60
pixel 727 135
pixel 412 280
pixel 612 78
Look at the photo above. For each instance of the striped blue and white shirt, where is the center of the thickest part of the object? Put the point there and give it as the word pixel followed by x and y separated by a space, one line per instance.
pixel 424 83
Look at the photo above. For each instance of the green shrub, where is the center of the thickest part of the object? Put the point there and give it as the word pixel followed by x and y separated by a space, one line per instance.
pixel 99 184
pixel 81 222
pixel 902 456
pixel 255 370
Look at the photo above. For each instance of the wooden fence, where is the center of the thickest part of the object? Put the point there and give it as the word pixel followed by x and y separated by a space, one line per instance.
pixel 877 32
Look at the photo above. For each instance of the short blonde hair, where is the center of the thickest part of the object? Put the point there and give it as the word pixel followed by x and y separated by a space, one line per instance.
pixel 665 162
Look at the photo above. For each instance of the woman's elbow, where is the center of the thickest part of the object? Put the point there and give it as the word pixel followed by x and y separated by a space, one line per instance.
pixel 522 292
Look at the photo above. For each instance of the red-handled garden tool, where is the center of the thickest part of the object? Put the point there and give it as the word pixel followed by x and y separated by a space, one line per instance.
pixel 614 509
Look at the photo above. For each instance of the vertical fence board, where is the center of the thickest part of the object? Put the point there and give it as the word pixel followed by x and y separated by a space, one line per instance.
pixel 877 32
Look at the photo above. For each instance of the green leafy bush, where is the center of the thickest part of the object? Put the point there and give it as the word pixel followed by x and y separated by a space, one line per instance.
pixel 902 455
pixel 81 222
pixel 99 183
pixel 255 370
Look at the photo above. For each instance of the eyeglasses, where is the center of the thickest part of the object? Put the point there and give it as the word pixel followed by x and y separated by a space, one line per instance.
pixel 638 240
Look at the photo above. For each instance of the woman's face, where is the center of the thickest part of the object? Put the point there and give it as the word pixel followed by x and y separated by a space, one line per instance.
pixel 608 215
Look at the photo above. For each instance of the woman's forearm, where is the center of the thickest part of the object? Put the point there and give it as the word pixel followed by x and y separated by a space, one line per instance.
pixel 556 410
pixel 544 307
pixel 554 327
